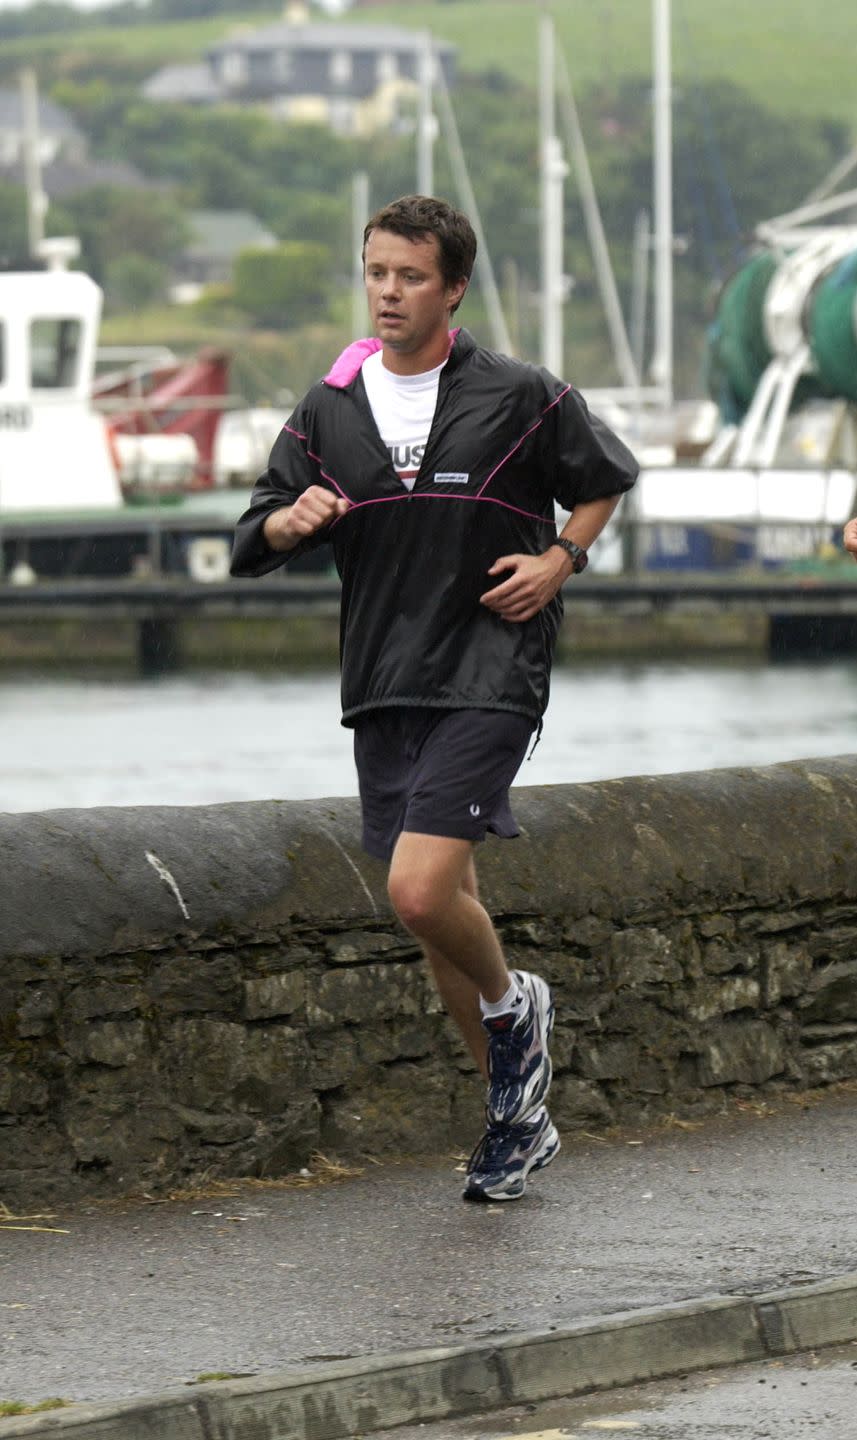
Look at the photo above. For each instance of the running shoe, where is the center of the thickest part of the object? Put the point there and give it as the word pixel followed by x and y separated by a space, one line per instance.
pixel 504 1157
pixel 519 1066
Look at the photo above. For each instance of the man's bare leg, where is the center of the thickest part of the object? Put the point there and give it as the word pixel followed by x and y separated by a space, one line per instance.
pixel 432 886
pixel 458 993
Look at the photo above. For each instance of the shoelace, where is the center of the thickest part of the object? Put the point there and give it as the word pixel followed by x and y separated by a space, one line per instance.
pixel 496 1144
pixel 505 1051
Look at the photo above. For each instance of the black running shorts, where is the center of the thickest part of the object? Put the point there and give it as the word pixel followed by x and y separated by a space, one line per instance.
pixel 437 772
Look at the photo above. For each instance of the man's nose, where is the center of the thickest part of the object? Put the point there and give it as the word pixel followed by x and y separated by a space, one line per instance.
pixel 390 285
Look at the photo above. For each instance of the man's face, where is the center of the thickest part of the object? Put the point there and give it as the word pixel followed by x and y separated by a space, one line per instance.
pixel 409 303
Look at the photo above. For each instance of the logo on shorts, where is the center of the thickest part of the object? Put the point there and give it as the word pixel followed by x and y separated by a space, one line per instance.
pixel 474 810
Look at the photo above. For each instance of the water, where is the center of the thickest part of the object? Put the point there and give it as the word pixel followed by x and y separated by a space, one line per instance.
pixel 195 739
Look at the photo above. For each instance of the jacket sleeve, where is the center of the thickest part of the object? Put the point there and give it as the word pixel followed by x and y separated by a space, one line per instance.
pixel 291 470
pixel 583 459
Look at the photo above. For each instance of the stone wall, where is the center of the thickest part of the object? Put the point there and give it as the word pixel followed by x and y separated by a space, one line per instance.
pixel 224 990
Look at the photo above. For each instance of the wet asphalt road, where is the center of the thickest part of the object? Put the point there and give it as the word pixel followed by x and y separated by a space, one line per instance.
pixel 809 1397
pixel 132 1301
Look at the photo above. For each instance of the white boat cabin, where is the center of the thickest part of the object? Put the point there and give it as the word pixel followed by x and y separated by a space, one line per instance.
pixel 54 447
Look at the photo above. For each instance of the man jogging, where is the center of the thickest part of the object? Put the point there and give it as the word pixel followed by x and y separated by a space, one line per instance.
pixel 432 466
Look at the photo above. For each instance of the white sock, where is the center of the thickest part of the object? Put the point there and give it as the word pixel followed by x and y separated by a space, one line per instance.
pixel 513 998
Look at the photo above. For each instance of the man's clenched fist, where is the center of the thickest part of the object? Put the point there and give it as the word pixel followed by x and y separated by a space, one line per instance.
pixel 311 511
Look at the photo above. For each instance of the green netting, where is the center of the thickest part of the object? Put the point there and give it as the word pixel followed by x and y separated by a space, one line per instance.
pixel 738 352
pixel 832 329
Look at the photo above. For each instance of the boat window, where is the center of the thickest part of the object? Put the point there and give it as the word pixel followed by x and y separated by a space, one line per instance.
pixel 54 351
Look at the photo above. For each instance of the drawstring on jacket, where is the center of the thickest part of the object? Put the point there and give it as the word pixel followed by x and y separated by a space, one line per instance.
pixel 537 739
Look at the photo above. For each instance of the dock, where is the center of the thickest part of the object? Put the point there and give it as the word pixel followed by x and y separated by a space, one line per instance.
pixel 799 614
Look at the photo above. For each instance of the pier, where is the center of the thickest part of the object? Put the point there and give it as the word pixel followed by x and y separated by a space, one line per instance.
pixel 792 613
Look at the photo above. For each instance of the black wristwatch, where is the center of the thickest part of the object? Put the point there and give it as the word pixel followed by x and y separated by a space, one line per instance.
pixel 579 557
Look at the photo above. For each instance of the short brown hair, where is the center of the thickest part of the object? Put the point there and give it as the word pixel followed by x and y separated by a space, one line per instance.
pixel 419 216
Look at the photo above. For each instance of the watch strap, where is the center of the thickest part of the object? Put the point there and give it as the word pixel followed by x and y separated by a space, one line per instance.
pixel 579 557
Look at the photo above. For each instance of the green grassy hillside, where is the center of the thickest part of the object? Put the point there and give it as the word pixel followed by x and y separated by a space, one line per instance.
pixel 791 54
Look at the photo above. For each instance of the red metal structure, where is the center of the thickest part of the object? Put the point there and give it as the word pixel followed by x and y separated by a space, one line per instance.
pixel 187 397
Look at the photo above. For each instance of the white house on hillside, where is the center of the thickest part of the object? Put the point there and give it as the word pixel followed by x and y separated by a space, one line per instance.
pixel 217 238
pixel 58 135
pixel 356 79
pixel 66 166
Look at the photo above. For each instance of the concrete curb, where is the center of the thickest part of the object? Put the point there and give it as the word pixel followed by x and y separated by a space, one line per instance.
pixel 352 1398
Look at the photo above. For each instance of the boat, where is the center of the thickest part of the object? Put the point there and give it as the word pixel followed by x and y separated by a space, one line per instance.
pixel 760 473
pixel 778 481
pixel 119 463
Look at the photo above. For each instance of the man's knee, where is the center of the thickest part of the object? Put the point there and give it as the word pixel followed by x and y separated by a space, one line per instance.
pixel 418 900
pixel 428 874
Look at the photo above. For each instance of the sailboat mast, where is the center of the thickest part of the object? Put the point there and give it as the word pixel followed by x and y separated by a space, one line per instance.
pixel 359 219
pixel 426 119
pixel 37 202
pixel 484 268
pixel 553 172
pixel 662 357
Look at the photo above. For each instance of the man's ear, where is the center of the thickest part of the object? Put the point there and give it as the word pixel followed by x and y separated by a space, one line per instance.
pixel 456 294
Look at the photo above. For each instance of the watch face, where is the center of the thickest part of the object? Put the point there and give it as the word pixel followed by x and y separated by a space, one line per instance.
pixel 581 560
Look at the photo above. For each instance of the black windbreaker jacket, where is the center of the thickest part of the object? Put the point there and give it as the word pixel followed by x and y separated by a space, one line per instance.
pixel 507 440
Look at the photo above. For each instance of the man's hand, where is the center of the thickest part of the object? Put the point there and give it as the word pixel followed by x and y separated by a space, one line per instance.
pixel 312 510
pixel 850 537
pixel 533 583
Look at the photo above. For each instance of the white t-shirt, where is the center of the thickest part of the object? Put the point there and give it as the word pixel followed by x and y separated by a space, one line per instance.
pixel 403 407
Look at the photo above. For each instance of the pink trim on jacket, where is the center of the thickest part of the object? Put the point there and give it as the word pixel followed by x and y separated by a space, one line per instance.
pixel 348 365
pixel 519 443
pixel 435 495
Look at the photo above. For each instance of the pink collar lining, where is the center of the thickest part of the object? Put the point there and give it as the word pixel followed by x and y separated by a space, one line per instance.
pixel 348 365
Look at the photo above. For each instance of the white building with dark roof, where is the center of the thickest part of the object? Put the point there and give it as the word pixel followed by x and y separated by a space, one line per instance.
pixel 356 79
pixel 217 238
pixel 191 84
pixel 65 164
pixel 59 137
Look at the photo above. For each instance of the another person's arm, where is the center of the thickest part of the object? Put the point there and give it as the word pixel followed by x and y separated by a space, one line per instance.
pixel 849 535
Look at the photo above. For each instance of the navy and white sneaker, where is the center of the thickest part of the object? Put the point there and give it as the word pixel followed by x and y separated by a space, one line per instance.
pixel 519 1065
pixel 504 1157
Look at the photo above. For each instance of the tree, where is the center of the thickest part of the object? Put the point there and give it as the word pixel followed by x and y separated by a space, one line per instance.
pixel 132 282
pixel 284 287
pixel 111 222
pixel 735 163
pixel 14 238
pixel 14 244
